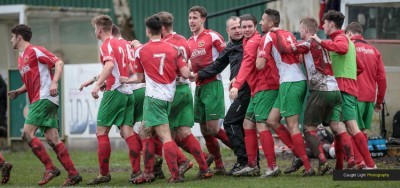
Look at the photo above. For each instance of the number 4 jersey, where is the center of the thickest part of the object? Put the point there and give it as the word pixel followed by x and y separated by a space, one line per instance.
pixel 159 61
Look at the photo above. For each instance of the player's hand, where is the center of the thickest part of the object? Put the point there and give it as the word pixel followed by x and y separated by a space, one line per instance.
pixel 316 38
pixel 85 84
pixel 378 107
pixel 233 93
pixel 123 79
pixel 54 89
pixel 192 77
pixel 95 92
pixel 103 86
pixel 13 94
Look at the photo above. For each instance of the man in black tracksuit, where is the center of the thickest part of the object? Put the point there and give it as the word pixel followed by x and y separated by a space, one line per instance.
pixel 233 121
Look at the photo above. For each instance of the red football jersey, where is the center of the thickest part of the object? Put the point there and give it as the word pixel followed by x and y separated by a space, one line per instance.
pixel 35 65
pixel 204 49
pixel 180 42
pixel 159 61
pixel 115 51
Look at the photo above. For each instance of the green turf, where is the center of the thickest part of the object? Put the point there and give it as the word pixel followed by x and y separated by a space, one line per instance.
pixel 27 171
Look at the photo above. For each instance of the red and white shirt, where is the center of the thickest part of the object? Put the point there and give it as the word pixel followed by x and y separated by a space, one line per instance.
pixel 117 52
pixel 35 64
pixel 179 42
pixel 318 66
pixel 275 45
pixel 159 61
pixel 204 49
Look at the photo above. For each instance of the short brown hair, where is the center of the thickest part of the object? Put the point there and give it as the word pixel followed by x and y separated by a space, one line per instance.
pixel 355 28
pixel 248 17
pixel 103 21
pixel 200 9
pixel 310 23
pixel 24 31
pixel 273 15
pixel 115 30
pixel 334 16
pixel 154 24
pixel 166 19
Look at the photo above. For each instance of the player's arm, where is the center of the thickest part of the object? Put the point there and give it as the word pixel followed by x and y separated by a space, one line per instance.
pixel 381 82
pixel 340 45
pixel 15 93
pixel 88 83
pixel 264 52
pixel 360 66
pixel 216 67
pixel 137 78
pixel 57 75
pixel 107 69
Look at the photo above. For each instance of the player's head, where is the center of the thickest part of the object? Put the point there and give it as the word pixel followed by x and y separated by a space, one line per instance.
pixel 197 17
pixel 271 18
pixel 354 28
pixel 167 20
pixel 233 28
pixel 333 20
pixel 308 27
pixel 20 33
pixel 248 24
pixel 115 31
pixel 102 25
pixel 153 25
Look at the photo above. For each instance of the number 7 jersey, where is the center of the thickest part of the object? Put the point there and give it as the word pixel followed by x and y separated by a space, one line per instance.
pixel 159 61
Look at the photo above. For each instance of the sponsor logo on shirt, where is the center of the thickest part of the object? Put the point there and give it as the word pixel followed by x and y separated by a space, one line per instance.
pixel 365 50
pixel 26 59
pixel 198 52
pixel 24 69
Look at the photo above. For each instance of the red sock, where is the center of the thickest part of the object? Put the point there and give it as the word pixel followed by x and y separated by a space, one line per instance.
pixel 139 140
pixel 284 136
pixel 170 157
pixel 158 145
pixel 103 153
pixel 41 153
pixel 223 137
pixel 134 153
pixel 180 157
pixel 195 149
pixel 65 159
pixel 362 146
pixel 301 149
pixel 251 143
pixel 339 153
pixel 213 147
pixel 267 143
pixel 148 155
pixel 2 159
pixel 357 155
pixel 182 144
pixel 315 145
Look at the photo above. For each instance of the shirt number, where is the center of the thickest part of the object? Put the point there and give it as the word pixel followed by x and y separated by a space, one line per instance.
pixel 162 58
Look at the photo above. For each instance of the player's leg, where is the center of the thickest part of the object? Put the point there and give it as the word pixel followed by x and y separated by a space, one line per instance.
pixel 5 168
pixel 349 118
pixel 36 116
pixel 365 112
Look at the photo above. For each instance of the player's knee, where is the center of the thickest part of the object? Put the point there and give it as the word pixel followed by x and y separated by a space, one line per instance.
pixel 26 137
pixel 52 143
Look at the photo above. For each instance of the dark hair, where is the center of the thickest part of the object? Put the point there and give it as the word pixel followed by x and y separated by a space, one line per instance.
pixel 248 17
pixel 334 16
pixel 273 15
pixel 166 19
pixel 200 9
pixel 154 24
pixel 354 27
pixel 115 30
pixel 310 23
pixel 24 31
pixel 103 21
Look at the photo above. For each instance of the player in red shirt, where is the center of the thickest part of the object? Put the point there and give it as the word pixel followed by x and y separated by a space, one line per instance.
pixel 373 76
pixel 345 69
pixel 159 61
pixel 181 117
pixel 289 102
pixel 35 64
pixel 209 108
pixel 116 107
pixel 264 86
